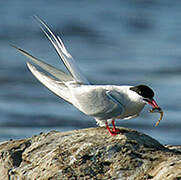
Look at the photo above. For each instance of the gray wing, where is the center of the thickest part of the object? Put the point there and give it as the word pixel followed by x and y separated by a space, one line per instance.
pixel 115 97
pixel 59 74
pixel 118 107
pixel 100 103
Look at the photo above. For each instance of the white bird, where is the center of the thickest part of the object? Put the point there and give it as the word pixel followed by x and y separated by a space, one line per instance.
pixel 103 102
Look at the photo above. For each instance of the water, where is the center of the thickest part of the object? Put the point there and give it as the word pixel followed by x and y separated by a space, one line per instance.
pixel 120 42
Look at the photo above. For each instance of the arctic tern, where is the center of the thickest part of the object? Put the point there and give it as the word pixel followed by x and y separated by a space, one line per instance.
pixel 103 102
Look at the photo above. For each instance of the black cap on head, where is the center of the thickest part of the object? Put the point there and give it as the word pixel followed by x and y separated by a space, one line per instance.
pixel 143 91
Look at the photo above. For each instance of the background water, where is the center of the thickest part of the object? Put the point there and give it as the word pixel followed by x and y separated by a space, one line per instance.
pixel 114 42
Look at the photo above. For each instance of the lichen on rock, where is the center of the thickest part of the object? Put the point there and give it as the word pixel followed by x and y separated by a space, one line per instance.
pixel 88 154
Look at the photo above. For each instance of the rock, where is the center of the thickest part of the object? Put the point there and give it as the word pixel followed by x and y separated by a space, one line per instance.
pixel 89 154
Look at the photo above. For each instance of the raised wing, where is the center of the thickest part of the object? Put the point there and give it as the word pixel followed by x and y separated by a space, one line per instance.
pixel 59 74
pixel 57 87
pixel 63 53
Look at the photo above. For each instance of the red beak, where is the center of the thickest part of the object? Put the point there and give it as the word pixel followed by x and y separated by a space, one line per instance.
pixel 153 103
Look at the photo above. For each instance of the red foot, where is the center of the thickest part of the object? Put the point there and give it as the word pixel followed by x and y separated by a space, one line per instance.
pixel 114 131
pixel 114 128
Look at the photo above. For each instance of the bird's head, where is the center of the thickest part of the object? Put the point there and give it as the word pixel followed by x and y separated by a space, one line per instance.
pixel 146 94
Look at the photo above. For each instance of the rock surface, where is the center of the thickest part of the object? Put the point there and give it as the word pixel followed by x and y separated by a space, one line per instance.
pixel 89 154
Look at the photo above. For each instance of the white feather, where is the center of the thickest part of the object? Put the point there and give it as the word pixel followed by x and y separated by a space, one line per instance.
pixel 57 87
pixel 67 59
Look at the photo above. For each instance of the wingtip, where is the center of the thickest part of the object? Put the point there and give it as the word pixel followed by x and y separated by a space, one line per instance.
pixel 12 45
pixel 36 18
pixel 19 49
pixel 39 21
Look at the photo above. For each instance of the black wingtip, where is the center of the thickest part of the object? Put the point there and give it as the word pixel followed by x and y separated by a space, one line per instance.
pixel 21 50
pixel 12 45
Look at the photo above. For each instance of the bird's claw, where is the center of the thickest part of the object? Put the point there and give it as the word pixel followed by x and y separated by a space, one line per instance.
pixel 114 130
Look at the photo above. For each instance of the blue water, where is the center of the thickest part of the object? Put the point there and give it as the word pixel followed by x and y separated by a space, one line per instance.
pixel 114 42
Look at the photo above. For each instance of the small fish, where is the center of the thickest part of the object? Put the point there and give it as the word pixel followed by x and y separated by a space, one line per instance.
pixel 157 110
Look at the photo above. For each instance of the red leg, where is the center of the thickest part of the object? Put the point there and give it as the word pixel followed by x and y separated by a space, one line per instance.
pixel 114 127
pixel 112 133
pixel 113 124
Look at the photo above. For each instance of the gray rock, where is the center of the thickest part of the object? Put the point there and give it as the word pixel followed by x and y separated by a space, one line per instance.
pixel 89 154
